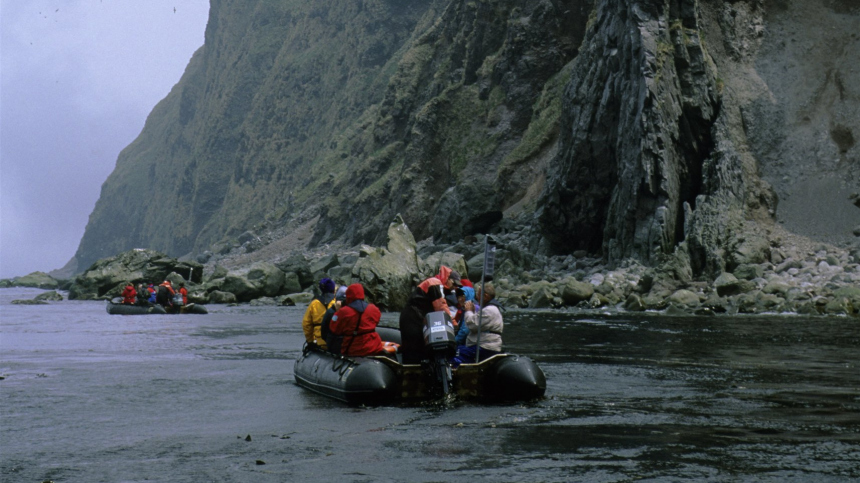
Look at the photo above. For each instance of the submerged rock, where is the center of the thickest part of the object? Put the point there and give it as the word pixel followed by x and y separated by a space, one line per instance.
pixel 28 302
pixel 49 296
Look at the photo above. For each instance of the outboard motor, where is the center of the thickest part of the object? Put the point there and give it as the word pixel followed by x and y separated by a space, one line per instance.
pixel 439 338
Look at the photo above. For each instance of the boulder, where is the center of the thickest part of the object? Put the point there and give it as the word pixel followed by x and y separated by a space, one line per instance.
pixel 574 291
pixel 715 303
pixel 655 302
pixel 542 298
pixel 634 303
pixel 839 306
pixel 263 301
pixel 684 297
pixel 788 265
pixel 237 284
pixel 219 297
pixel 387 273
pixel 321 266
pixel 747 271
pixel 756 302
pixel 262 279
pixel 598 300
pixel 198 296
pixel 727 284
pixel 475 267
pixel 298 264
pixel 849 293
pixel 776 288
pixel 268 278
pixel 218 273
pixel 300 298
pixel 455 261
pixel 292 283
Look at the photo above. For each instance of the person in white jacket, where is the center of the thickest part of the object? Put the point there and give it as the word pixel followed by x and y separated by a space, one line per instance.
pixel 492 325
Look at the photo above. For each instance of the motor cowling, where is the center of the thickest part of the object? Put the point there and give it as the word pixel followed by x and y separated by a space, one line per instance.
pixel 439 335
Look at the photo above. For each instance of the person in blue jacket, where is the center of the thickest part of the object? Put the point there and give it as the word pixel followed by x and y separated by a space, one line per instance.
pixel 463 332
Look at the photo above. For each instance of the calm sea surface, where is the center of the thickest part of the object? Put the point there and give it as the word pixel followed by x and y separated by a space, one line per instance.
pixel 91 397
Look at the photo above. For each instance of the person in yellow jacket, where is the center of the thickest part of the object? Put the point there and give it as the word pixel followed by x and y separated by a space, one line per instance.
pixel 312 321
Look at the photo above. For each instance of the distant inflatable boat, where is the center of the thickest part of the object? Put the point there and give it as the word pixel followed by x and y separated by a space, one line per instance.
pixel 382 380
pixel 114 308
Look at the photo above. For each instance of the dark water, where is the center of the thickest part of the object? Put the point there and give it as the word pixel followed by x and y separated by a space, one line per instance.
pixel 89 397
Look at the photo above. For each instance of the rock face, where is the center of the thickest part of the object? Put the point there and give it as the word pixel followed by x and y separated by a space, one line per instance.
pixel 106 277
pixel 658 130
pixel 648 160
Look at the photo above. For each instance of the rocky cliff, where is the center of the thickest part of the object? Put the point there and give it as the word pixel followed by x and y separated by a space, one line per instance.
pixel 646 129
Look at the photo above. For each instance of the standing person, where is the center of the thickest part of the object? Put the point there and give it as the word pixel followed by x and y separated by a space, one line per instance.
pixel 492 325
pixel 164 294
pixel 184 292
pixel 312 321
pixel 128 293
pixel 356 321
pixel 428 297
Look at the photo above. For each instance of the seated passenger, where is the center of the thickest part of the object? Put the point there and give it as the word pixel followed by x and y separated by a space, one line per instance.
pixel 356 321
pixel 332 341
pixel 468 296
pixel 490 318
pixel 128 293
pixel 142 295
pixel 312 321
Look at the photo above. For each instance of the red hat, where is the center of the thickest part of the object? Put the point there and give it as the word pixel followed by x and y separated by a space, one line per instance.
pixel 354 292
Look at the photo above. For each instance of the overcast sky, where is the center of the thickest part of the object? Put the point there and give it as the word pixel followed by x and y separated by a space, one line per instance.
pixel 79 78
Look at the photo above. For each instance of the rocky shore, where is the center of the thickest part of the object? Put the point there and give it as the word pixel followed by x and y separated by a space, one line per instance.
pixel 777 273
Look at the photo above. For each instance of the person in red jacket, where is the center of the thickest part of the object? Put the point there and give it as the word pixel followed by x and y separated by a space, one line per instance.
pixel 184 292
pixel 128 293
pixel 356 321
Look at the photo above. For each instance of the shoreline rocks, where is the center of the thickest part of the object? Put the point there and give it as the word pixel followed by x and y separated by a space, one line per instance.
pixel 792 275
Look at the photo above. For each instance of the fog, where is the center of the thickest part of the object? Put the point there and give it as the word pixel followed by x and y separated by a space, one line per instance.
pixel 77 81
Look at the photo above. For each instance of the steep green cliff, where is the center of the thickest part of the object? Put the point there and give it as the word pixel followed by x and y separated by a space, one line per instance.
pixel 622 127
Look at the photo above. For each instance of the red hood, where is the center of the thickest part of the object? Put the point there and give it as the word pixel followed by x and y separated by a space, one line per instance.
pixel 354 292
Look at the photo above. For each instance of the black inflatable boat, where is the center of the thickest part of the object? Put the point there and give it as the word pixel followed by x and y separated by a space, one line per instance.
pixel 384 380
pixel 114 308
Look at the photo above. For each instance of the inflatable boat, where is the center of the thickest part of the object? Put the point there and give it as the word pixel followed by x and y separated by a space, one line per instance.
pixel 115 308
pixel 380 380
